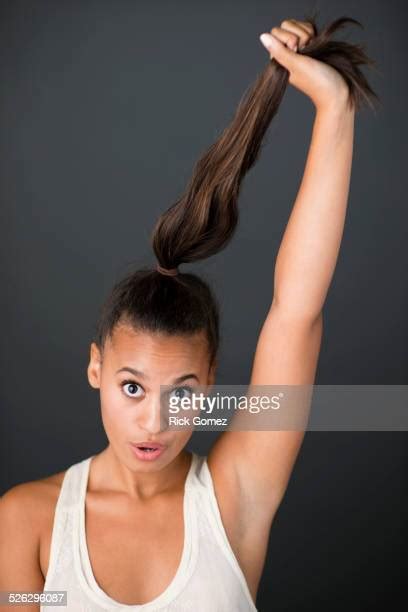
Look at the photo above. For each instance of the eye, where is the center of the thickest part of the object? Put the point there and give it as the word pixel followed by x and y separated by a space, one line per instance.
pixel 132 387
pixel 182 392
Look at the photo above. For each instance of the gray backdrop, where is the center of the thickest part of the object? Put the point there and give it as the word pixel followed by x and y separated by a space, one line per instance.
pixel 104 108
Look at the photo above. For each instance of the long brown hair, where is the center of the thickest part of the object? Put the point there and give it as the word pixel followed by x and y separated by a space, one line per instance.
pixel 203 220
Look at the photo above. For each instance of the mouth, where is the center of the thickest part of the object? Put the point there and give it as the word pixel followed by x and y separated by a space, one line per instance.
pixel 147 450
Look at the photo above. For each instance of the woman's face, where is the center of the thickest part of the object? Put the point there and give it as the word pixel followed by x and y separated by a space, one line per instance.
pixel 129 373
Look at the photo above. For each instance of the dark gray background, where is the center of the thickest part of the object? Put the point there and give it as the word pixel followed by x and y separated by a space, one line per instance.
pixel 104 108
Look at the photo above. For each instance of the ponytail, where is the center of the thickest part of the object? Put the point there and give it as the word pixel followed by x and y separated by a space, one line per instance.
pixel 203 220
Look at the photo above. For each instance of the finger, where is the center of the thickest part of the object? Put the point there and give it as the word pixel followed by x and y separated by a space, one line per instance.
pixel 280 52
pixel 290 39
pixel 302 34
pixel 306 25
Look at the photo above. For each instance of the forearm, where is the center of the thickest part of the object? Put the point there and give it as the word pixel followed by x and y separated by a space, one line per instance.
pixel 310 245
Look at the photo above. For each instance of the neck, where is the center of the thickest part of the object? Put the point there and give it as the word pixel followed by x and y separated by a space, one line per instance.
pixel 109 472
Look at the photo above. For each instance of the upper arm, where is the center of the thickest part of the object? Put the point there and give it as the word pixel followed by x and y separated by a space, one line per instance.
pixel 256 465
pixel 19 537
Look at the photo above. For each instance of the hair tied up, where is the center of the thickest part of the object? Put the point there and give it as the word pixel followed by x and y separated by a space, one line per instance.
pixel 203 220
pixel 167 271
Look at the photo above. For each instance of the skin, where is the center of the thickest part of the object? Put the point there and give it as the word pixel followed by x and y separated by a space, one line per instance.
pixel 250 469
pixel 132 412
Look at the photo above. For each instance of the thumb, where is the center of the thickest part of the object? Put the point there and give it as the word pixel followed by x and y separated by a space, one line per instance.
pixel 278 50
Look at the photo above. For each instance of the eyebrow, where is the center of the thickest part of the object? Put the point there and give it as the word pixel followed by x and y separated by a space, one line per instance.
pixel 141 375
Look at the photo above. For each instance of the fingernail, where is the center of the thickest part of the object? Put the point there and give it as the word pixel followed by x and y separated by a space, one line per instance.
pixel 267 41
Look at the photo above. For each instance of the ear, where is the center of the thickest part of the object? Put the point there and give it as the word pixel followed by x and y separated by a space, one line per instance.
pixel 94 367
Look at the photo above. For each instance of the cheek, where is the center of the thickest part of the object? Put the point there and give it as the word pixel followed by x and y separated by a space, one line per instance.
pixel 115 411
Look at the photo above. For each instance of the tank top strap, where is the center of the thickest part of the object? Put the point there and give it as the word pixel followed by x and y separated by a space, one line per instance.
pixel 72 485
pixel 67 501
pixel 203 483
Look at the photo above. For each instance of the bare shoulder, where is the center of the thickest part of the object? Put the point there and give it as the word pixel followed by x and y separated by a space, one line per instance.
pixel 26 511
pixel 30 499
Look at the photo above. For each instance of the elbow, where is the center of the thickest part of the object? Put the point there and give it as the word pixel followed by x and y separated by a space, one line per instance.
pixel 297 312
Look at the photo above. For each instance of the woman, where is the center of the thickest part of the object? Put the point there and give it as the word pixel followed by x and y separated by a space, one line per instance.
pixel 144 524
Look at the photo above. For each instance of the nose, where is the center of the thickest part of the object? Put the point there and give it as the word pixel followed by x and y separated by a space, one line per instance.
pixel 151 417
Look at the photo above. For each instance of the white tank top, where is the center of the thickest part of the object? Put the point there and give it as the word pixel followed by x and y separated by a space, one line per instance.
pixel 208 579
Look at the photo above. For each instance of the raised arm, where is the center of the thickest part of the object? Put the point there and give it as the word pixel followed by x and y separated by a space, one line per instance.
pixel 308 252
pixel 257 464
